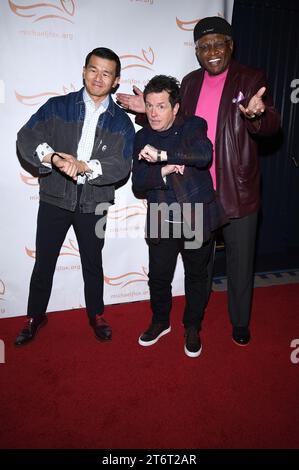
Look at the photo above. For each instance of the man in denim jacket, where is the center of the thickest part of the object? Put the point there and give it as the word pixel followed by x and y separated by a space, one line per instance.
pixel 82 144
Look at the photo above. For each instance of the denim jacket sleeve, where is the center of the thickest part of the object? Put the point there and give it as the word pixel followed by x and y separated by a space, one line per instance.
pixel 36 131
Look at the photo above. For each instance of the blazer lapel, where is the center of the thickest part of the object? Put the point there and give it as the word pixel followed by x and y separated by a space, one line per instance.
pixel 228 93
pixel 193 93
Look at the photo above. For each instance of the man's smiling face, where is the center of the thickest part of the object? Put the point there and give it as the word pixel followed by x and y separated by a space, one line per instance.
pixel 214 52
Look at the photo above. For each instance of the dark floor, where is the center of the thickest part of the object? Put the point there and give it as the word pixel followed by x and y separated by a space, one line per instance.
pixel 264 262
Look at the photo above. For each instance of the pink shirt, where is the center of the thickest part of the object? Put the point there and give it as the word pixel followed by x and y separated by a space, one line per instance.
pixel 207 108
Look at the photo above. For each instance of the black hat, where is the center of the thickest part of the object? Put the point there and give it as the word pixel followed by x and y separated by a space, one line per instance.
pixel 211 25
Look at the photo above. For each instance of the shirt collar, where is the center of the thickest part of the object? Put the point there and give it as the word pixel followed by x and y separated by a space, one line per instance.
pixel 88 100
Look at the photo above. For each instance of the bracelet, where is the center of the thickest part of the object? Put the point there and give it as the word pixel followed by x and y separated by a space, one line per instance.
pixel 159 155
pixel 53 155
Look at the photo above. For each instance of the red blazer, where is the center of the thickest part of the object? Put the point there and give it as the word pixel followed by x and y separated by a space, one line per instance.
pixel 237 163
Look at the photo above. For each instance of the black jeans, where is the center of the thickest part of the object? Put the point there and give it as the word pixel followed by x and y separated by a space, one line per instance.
pixel 53 224
pixel 162 263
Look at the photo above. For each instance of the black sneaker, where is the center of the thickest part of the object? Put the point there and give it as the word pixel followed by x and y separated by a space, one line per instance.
pixel 193 345
pixel 241 335
pixel 153 334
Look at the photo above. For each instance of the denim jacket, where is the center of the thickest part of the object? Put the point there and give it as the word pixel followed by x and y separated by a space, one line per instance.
pixel 59 123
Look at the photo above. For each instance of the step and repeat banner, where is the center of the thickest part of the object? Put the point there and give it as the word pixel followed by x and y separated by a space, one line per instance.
pixel 43 48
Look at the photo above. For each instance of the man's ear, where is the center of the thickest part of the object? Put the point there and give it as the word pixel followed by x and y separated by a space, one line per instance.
pixel 176 108
pixel 115 85
pixel 116 82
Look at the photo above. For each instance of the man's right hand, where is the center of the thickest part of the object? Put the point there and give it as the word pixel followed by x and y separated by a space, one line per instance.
pixel 132 102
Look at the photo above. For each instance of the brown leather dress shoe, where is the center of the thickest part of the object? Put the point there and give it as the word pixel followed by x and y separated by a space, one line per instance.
pixel 102 330
pixel 28 333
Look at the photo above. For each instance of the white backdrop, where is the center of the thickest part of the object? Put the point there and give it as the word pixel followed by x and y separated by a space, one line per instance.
pixel 43 48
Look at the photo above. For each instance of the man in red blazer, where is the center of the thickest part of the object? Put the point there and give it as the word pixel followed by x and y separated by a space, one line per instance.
pixel 234 100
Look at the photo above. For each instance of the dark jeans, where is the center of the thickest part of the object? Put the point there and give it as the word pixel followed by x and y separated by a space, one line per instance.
pixel 162 263
pixel 53 224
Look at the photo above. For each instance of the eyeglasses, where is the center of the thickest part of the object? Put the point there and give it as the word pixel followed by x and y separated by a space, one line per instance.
pixel 218 45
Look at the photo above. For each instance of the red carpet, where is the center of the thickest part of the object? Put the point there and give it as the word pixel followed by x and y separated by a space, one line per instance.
pixel 66 390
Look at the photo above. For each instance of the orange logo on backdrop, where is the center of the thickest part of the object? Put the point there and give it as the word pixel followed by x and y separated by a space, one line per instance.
pixel 66 250
pixel 122 280
pixel 34 100
pixel 30 180
pixel 186 25
pixel 189 25
pixel 147 58
pixel 127 278
pixel 2 289
pixel 60 9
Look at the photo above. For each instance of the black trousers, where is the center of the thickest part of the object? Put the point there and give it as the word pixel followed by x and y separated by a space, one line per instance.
pixel 162 263
pixel 239 238
pixel 53 224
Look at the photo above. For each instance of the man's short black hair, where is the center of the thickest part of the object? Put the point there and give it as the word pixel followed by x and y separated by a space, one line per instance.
pixel 161 83
pixel 105 53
